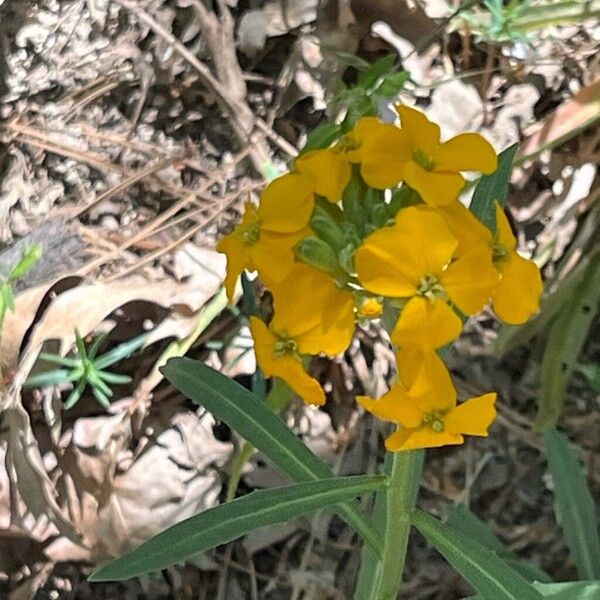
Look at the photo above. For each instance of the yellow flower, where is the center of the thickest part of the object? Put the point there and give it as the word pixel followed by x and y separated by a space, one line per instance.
pixel 311 315
pixel 277 354
pixel 265 238
pixel 328 171
pixel 310 306
pixel 469 231
pixel 432 418
pixel 381 149
pixel 414 259
pixel 517 296
pixel 415 155
pixel 434 170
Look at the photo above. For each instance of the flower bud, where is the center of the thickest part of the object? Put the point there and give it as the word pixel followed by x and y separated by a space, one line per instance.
pixel 317 253
pixel 326 228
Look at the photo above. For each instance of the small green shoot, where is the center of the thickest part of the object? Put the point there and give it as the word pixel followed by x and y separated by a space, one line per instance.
pixel 87 370
pixel 7 297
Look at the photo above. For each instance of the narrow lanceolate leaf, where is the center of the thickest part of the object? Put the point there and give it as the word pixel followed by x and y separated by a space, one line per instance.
pixel 233 519
pixel 575 506
pixel 493 188
pixel 257 424
pixel 578 590
pixel 465 521
pixel 491 576
pixel 322 137
pixel 564 343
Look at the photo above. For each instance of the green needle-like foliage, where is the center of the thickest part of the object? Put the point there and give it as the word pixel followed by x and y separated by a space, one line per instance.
pixel 86 369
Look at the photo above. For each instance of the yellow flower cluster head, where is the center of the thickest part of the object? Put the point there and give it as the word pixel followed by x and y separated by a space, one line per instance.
pixel 372 228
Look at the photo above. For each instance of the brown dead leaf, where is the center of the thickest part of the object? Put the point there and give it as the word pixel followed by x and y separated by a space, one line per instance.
pixel 26 468
pixel 342 24
pixel 571 117
pixel 18 322
pixel 172 478
pixel 85 306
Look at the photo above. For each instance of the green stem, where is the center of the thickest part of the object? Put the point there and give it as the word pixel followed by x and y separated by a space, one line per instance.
pixel 401 498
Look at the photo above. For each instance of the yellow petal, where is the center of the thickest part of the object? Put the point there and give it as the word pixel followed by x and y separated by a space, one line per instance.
pixel 292 372
pixel 335 331
pixel 471 280
pixel 287 367
pixel 237 260
pixel 394 406
pixel 470 232
pixel 328 171
pixel 427 380
pixel 504 235
pixel 264 345
pixel 286 204
pixel 413 439
pixel 426 324
pixel 472 417
pixel 517 296
pixel 436 189
pixel 466 152
pixel 392 261
pixel 424 133
pixel 273 254
pixel 365 128
pixel 384 152
pixel 379 269
pixel 295 295
pixel 313 310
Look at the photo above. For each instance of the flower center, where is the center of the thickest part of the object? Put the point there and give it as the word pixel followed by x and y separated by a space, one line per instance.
pixel 499 252
pixel 430 287
pixel 434 420
pixel 251 233
pixel 423 160
pixel 346 144
pixel 284 346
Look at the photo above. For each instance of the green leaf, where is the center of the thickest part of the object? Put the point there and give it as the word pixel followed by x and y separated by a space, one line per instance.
pixel 347 58
pixel 591 372
pixel 231 520
pixel 57 359
pixel 29 258
pixel 391 86
pixel 493 188
pixel 377 71
pixel 7 296
pixel 575 507
pixel 121 352
pixel 465 521
pixel 47 378
pixel 579 590
pixel 98 341
pixel 74 396
pixel 258 425
pixel 115 378
pixel 322 137
pixel 565 341
pixel 101 397
pixel 491 576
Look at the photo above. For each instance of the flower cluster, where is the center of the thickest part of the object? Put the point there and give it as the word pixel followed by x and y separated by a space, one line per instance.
pixel 372 228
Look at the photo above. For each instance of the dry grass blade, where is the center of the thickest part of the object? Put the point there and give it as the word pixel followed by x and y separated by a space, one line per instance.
pixel 242 118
